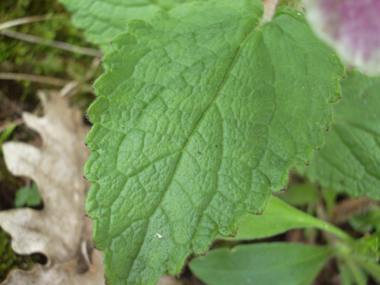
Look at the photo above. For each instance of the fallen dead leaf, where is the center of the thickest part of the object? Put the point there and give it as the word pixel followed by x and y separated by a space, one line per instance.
pixel 60 230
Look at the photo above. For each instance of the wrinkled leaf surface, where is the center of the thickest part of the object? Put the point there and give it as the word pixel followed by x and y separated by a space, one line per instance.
pixel 262 263
pixel 350 159
pixel 102 20
pixel 200 115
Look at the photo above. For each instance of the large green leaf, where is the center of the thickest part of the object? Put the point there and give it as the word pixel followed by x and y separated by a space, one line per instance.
pixel 350 159
pixel 262 263
pixel 102 20
pixel 278 218
pixel 200 115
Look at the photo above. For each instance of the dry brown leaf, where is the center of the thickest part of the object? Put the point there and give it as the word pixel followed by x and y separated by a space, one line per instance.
pixel 59 230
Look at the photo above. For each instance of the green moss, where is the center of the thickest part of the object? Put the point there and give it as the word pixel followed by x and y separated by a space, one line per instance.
pixel 18 56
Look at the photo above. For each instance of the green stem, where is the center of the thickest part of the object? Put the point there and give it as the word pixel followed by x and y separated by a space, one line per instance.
pixel 322 224
pixel 325 226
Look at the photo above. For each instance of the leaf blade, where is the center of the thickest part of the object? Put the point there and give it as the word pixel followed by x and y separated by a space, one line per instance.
pixel 263 263
pixel 278 218
pixel 349 160
pixel 171 130
pixel 103 20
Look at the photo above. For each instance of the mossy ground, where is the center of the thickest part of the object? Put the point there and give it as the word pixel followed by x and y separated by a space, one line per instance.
pixel 18 56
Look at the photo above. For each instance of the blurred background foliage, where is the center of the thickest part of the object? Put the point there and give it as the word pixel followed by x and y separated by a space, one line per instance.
pixel 24 57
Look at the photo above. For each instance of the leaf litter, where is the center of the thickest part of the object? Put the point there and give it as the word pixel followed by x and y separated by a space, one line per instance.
pixel 61 230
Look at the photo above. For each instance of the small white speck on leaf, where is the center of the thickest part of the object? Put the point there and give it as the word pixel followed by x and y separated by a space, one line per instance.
pixel 158 235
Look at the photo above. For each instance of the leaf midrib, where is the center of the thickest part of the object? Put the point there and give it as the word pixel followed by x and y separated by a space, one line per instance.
pixel 259 24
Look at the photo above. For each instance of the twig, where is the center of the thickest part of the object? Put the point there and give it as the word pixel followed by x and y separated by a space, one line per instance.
pixel 34 78
pixel 56 44
pixel 85 254
pixel 269 8
pixel 31 19
pixel 85 88
pixel 73 85
pixel 94 65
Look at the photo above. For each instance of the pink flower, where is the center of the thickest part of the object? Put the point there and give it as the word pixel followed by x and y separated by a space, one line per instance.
pixel 352 27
